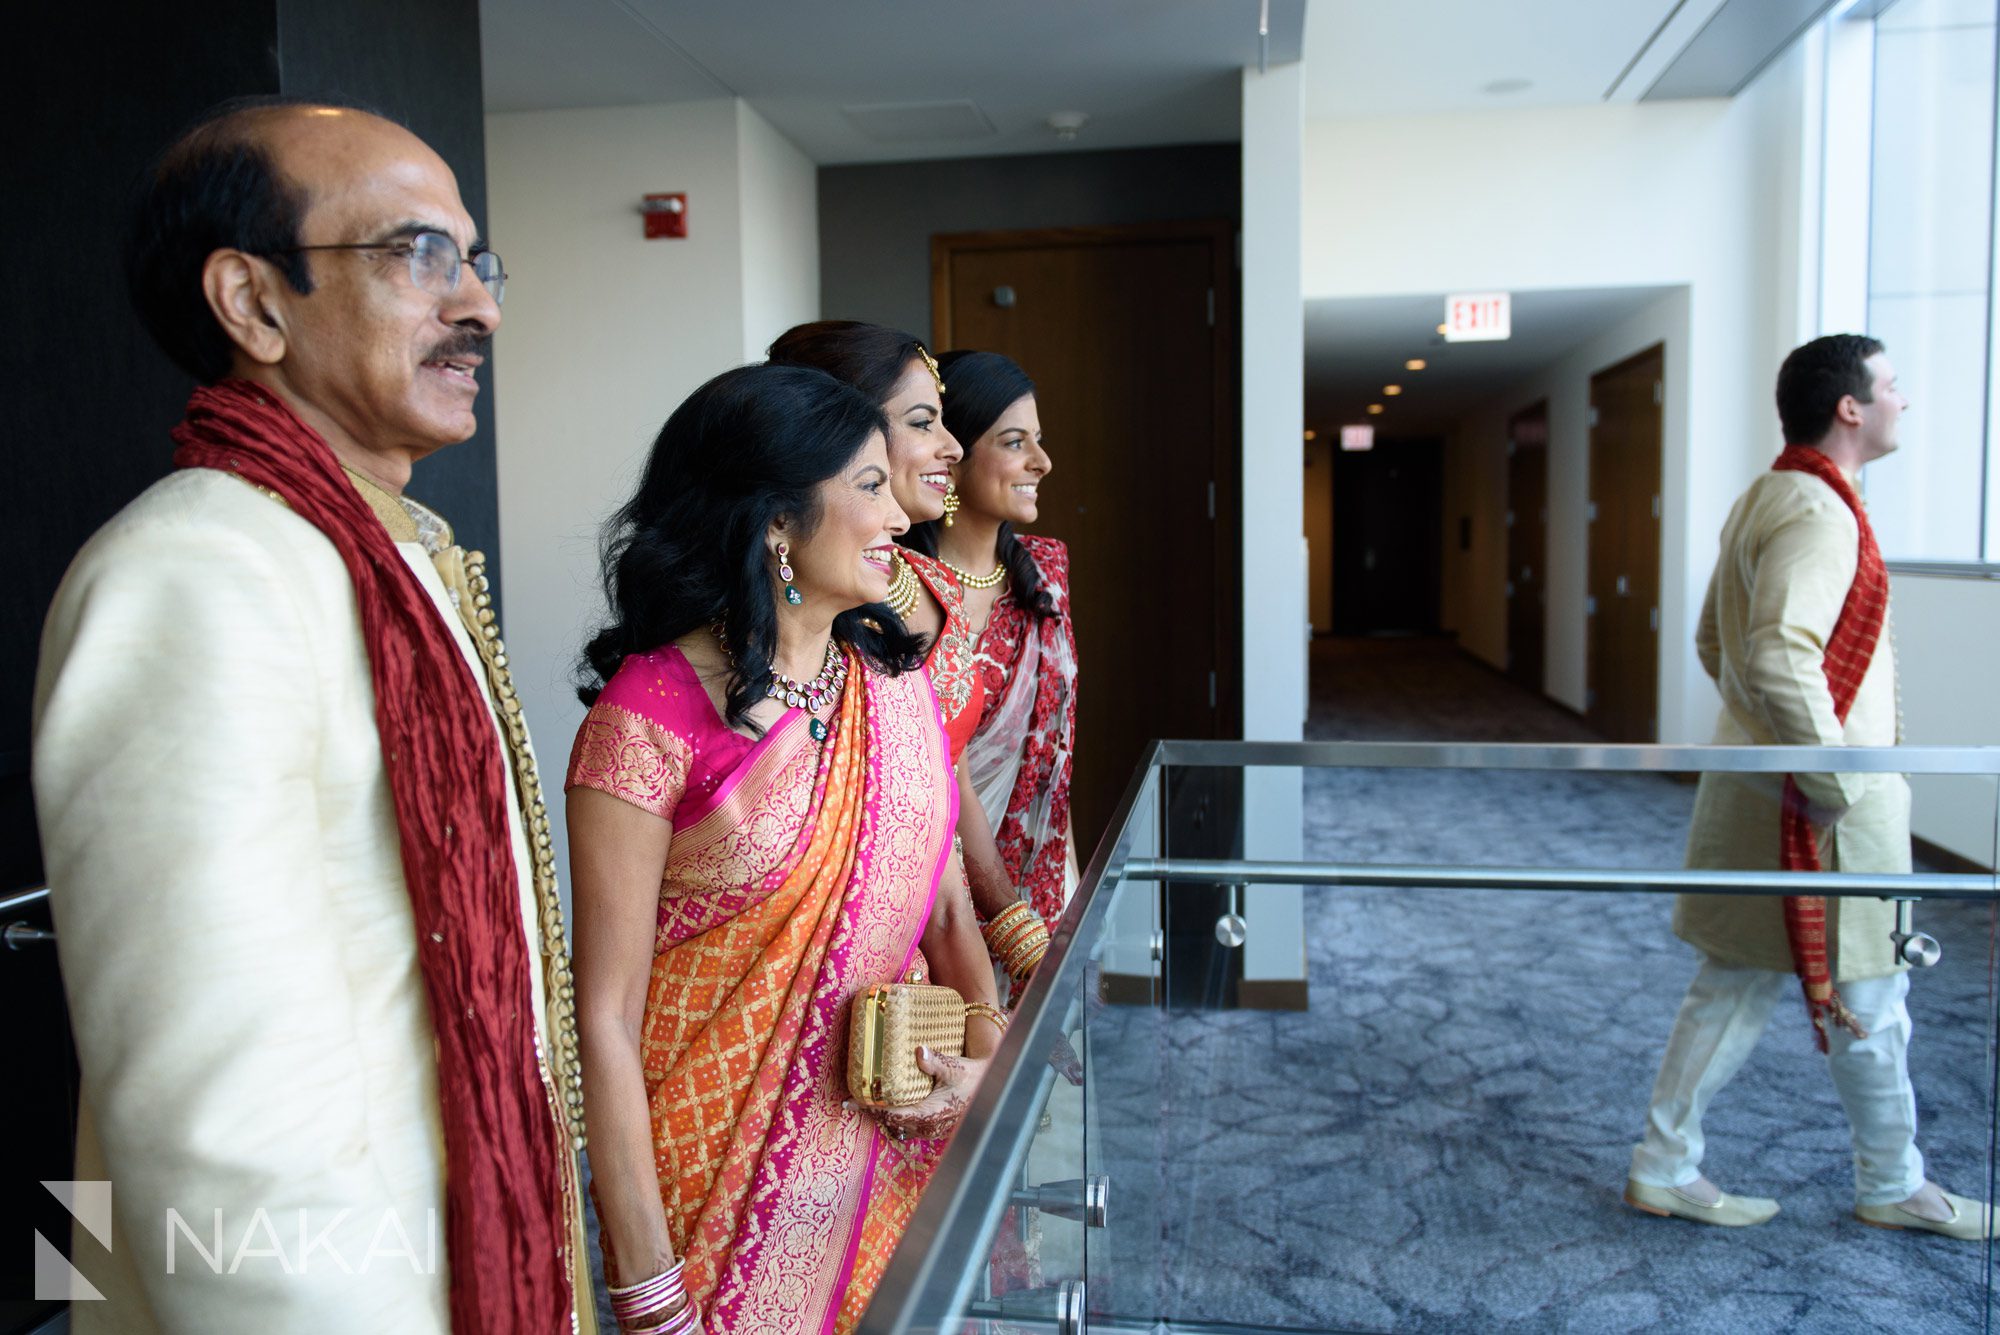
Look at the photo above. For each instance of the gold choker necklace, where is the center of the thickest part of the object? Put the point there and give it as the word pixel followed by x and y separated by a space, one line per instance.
pixel 987 581
pixel 902 595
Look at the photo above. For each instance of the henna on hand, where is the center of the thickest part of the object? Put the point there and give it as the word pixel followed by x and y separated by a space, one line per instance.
pixel 941 1111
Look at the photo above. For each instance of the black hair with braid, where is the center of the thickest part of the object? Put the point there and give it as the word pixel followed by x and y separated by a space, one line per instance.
pixel 749 446
pixel 978 387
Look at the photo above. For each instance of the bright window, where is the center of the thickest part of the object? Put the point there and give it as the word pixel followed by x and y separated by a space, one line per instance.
pixel 1907 254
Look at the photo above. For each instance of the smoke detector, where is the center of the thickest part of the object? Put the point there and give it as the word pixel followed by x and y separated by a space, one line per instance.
pixel 1067 123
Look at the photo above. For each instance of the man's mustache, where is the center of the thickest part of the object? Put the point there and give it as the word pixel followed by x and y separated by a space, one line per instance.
pixel 459 344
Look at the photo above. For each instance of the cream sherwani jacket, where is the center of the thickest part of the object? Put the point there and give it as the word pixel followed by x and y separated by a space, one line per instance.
pixel 1788 558
pixel 235 933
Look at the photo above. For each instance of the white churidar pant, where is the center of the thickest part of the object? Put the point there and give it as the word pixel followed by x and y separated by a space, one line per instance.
pixel 1724 1014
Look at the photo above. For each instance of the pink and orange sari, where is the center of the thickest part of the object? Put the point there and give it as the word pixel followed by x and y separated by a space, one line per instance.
pixel 798 873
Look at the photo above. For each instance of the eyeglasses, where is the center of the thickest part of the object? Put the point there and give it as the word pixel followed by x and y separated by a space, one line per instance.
pixel 435 262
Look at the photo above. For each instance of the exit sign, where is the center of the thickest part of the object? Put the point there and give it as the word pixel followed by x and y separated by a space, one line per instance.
pixel 1478 317
pixel 1357 437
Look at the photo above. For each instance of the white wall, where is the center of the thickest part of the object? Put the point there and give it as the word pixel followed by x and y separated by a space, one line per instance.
pixel 1704 194
pixel 1947 637
pixel 606 332
pixel 1274 572
pixel 779 206
pixel 1476 485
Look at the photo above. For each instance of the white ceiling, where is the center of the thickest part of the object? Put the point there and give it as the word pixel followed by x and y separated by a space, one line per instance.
pixel 1356 346
pixel 1370 58
pixel 1145 71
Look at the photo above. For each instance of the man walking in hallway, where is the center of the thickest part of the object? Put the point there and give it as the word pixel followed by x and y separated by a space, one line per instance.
pixel 299 858
pixel 1795 633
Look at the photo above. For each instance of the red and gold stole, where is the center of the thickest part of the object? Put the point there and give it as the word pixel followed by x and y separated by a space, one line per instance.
pixel 505 1220
pixel 1849 650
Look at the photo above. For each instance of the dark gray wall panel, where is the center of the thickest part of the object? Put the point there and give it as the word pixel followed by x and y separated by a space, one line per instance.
pixel 876 221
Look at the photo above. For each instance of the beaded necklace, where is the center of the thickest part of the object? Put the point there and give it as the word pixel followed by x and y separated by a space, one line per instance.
pixel 811 696
pixel 991 579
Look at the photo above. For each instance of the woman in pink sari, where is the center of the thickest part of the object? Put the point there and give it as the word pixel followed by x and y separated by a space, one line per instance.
pixel 760 818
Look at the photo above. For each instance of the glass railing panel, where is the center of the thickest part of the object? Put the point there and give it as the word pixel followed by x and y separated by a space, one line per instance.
pixel 1367 1042
pixel 1440 1140
pixel 1009 1229
pixel 1123 1044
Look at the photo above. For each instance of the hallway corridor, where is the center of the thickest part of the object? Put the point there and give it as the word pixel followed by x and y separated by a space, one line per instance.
pixel 1439 1143
pixel 1425 689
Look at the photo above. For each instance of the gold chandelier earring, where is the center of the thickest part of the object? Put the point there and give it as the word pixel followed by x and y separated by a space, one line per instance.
pixel 951 501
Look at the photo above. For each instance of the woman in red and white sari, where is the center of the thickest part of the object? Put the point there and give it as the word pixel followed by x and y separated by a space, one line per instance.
pixel 1016 595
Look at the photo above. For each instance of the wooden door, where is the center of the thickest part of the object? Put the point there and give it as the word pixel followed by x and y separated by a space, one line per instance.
pixel 1622 683
pixel 1388 506
pixel 1126 331
pixel 1528 545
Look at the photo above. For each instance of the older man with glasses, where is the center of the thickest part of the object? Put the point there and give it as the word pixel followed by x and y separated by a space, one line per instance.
pixel 301 865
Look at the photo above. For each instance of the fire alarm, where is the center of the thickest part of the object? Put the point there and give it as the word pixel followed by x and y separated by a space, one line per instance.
pixel 666 215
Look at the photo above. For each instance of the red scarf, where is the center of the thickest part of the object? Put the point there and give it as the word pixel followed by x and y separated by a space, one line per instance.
pixel 1849 650
pixel 505 1224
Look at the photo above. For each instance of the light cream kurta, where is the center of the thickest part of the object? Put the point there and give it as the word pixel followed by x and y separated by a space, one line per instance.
pixel 235 932
pixel 1788 558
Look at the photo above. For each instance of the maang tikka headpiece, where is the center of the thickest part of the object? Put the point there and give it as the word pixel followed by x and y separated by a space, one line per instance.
pixel 930 364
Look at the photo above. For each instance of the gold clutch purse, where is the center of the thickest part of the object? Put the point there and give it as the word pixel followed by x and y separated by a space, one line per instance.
pixel 886 1024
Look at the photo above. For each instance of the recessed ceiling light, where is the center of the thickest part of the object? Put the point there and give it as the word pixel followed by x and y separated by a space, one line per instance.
pixel 1311 434
pixel 1067 123
pixel 1444 328
pixel 1415 364
pixel 1502 87
pixel 1374 408
pixel 1392 390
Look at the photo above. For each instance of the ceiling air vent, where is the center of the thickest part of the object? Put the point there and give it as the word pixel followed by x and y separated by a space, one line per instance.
pixel 916 122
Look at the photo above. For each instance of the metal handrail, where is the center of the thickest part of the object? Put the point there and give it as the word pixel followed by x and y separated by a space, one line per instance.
pixel 1588 757
pixel 1365 875
pixel 21 899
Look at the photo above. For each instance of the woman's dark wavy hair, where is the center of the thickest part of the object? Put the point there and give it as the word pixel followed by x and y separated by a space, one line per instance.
pixel 978 387
pixel 688 549
pixel 870 357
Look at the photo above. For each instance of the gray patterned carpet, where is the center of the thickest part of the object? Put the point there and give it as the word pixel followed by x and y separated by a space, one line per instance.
pixel 1439 1143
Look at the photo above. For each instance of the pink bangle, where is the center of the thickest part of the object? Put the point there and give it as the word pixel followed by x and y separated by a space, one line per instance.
pixel 646 1300
pixel 680 1323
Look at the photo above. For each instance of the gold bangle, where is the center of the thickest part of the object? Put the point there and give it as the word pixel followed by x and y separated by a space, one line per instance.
pixel 1034 932
pixel 1007 925
pixel 1020 962
pixel 1008 916
pixel 987 1012
pixel 1002 944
